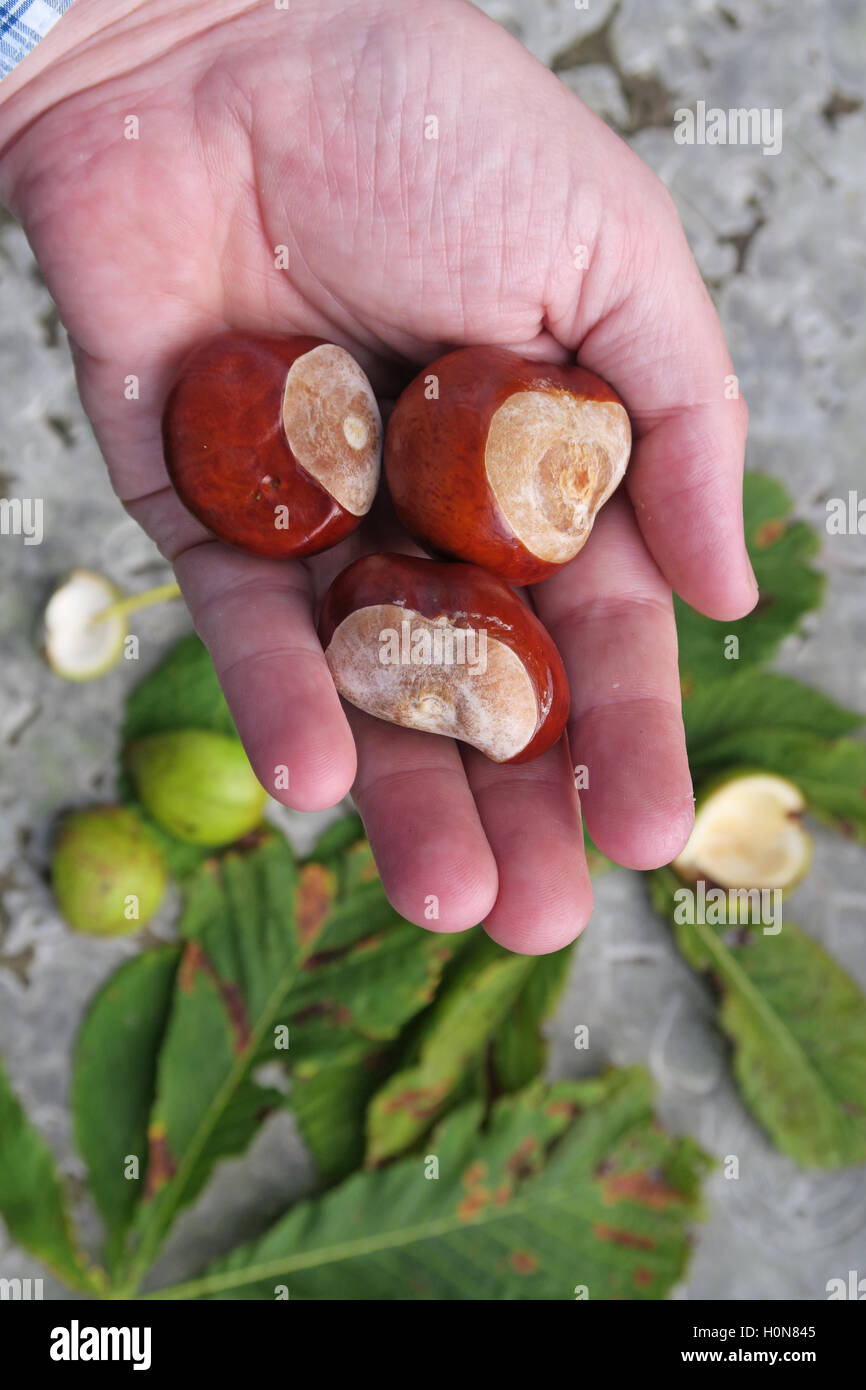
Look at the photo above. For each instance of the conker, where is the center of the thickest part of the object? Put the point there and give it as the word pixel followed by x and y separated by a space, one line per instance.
pixel 274 443
pixel 448 648
pixel 504 462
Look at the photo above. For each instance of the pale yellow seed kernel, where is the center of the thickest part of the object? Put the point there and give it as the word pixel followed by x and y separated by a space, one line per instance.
pixel 356 432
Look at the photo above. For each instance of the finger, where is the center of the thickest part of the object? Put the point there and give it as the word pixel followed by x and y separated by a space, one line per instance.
pixel 430 848
pixel 531 817
pixel 255 618
pixel 663 350
pixel 610 614
pixel 253 615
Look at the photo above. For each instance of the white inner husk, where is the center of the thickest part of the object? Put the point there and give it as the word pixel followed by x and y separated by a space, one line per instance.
pixel 748 834
pixel 76 645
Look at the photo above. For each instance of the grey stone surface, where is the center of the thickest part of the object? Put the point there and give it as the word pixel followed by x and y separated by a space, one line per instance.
pixel 779 240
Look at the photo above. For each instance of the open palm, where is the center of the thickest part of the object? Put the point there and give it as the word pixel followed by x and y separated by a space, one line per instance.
pixel 432 186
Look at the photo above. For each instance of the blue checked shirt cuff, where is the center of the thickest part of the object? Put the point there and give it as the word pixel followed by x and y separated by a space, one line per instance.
pixel 22 24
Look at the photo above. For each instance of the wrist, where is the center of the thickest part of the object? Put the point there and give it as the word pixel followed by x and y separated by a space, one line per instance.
pixel 74 26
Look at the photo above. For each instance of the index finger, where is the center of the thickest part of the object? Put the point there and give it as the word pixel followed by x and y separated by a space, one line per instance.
pixel 255 616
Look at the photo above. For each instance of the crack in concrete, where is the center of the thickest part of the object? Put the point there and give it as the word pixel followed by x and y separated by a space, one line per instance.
pixel 19 964
pixel 650 103
pixel 837 105
pixel 63 428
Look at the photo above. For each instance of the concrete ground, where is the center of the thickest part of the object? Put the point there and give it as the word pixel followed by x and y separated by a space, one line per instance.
pixel 779 240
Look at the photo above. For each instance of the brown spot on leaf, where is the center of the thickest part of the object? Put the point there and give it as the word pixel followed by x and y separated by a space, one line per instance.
pixel 316 893
pixel 252 840
pixel 236 1009
pixel 648 1189
pixel 643 1277
pixel 435 962
pixel 419 1102
pixel 768 533
pixel 319 958
pixel 524 1262
pixel 373 1060
pixel 503 1194
pixel 194 964
pixel 473 1203
pixel 474 1174
pixel 323 1008
pixel 369 943
pixel 561 1107
pixel 160 1161
pixel 526 1158
pixel 617 1237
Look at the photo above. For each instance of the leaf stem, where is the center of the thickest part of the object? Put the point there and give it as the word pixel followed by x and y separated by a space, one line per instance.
pixel 133 602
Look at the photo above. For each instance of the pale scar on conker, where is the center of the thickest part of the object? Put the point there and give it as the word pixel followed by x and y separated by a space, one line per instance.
pixel 448 649
pixel 507 464
pixel 274 443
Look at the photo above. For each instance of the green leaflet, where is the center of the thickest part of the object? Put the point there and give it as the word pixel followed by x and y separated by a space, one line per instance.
pixel 369 988
pixel 779 549
pixel 32 1199
pixel 113 1079
pixel 300 963
pixel 182 692
pixel 485 1027
pixel 473 1002
pixel 330 1106
pixel 759 701
pixel 248 925
pixel 797 1023
pixel 372 973
pixel 567 1186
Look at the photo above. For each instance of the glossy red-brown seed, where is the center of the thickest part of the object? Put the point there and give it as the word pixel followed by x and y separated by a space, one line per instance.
pixel 504 462
pixel 448 648
pixel 273 443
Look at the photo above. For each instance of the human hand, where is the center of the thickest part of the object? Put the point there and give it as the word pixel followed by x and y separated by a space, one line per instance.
pixel 260 128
